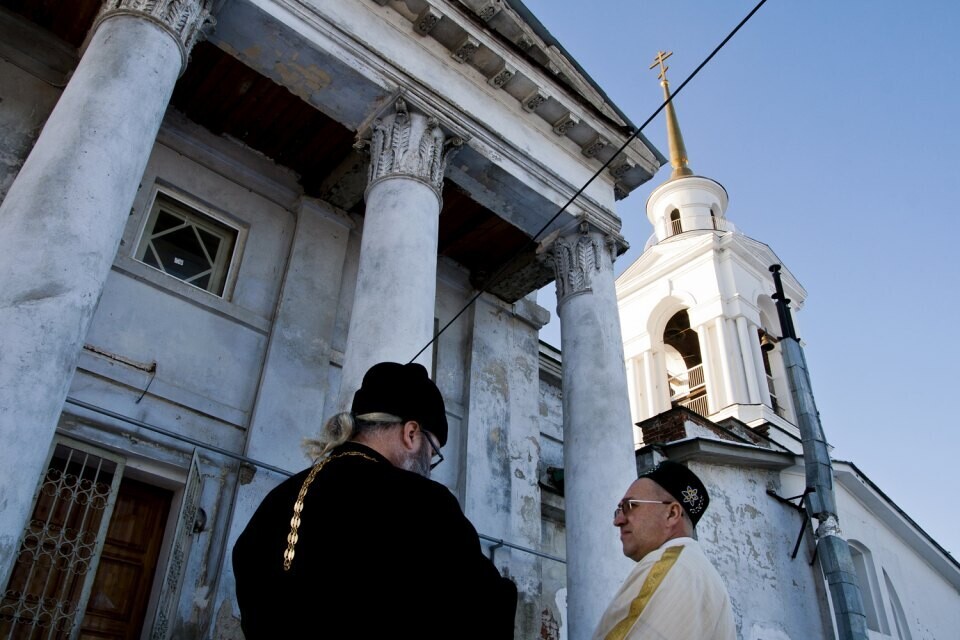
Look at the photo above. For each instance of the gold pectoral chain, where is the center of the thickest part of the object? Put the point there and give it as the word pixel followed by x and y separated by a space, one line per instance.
pixel 292 537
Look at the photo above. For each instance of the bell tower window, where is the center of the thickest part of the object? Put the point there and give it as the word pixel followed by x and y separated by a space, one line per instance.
pixel 685 377
pixel 675 225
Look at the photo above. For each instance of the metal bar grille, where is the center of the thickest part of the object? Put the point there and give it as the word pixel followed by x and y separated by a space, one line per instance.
pixel 53 574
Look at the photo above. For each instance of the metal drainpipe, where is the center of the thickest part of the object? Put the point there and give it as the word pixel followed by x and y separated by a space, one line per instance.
pixel 831 548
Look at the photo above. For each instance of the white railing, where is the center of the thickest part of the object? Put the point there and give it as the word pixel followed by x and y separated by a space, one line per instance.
pixel 697 405
pixel 695 376
pixel 687 382
pixel 689 389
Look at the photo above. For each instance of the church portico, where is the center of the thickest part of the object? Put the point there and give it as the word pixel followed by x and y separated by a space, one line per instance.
pixel 74 191
pixel 334 255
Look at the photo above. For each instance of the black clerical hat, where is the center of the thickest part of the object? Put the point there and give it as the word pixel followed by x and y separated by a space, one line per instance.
pixel 682 484
pixel 405 391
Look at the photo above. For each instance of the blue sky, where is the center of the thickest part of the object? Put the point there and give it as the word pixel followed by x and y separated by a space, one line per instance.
pixel 832 126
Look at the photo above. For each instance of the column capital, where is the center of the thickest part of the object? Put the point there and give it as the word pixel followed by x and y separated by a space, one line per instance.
pixel 576 256
pixel 185 20
pixel 409 144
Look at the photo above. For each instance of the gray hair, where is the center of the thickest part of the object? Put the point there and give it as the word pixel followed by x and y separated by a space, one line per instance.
pixel 343 427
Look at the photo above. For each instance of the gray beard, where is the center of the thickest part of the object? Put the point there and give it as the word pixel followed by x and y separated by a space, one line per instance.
pixel 419 462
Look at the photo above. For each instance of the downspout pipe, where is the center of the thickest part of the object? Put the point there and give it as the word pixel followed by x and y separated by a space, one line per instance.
pixel 833 551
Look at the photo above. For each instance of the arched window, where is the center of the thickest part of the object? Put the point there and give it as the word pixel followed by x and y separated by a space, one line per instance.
pixel 684 364
pixel 899 617
pixel 675 225
pixel 766 346
pixel 867 577
pixel 713 219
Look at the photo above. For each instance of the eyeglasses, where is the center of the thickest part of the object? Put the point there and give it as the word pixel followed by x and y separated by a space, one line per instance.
pixel 624 506
pixel 437 457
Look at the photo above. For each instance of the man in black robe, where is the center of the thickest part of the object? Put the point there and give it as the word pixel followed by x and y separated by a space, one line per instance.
pixel 363 544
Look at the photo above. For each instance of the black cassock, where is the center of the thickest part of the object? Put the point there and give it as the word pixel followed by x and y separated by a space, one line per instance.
pixel 382 553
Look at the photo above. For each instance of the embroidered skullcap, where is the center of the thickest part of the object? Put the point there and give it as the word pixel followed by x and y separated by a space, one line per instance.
pixel 683 485
pixel 405 391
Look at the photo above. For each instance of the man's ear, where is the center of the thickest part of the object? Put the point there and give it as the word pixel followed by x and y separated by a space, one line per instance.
pixel 408 435
pixel 675 512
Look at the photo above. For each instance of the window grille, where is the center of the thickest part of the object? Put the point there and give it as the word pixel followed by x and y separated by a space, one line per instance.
pixel 173 580
pixel 187 244
pixel 60 547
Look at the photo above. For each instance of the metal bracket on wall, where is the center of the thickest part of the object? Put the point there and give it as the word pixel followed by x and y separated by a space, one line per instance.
pixel 800 508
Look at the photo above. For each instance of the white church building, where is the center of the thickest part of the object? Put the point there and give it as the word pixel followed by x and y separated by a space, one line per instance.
pixel 215 215
pixel 708 388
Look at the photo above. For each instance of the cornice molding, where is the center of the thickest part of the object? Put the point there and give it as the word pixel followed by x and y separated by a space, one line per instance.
pixel 471 44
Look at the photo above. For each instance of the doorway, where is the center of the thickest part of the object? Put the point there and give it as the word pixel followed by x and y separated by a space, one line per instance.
pixel 128 562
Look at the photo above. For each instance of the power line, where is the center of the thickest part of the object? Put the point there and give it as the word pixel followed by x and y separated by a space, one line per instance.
pixel 533 240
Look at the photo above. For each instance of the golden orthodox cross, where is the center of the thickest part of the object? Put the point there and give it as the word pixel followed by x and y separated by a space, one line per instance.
pixel 659 60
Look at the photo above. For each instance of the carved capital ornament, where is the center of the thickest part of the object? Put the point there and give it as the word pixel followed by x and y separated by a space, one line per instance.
pixel 187 21
pixel 410 145
pixel 576 257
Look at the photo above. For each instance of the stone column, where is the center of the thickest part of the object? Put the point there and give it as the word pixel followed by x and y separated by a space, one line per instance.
pixel 719 327
pixel 599 462
pixel 395 299
pixel 61 222
pixel 650 383
pixel 736 371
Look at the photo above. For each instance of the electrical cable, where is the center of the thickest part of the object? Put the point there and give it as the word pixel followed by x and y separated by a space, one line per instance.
pixel 533 240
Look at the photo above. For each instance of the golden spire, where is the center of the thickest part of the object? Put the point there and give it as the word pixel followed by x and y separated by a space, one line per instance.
pixel 678 152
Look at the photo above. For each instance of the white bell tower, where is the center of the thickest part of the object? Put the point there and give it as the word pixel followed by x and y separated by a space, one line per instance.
pixel 699 324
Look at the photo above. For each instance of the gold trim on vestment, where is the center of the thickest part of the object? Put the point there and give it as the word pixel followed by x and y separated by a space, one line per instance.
pixel 292 537
pixel 657 573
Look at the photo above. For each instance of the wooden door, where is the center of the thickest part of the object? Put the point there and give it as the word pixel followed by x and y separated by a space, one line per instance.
pixel 121 589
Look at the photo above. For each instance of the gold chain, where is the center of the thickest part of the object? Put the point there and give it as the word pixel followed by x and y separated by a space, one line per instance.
pixel 292 537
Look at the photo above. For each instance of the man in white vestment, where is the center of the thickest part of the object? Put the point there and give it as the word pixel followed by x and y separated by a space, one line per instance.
pixel 673 593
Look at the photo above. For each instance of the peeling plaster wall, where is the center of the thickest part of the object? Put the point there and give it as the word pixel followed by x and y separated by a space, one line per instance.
pixel 501 489
pixel 553 590
pixel 749 537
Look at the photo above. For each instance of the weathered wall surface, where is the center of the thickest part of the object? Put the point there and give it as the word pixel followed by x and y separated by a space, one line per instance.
pixel 749 537
pixel 33 70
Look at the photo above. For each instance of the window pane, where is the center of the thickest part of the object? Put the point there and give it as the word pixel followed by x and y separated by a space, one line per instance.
pixel 210 241
pixel 148 258
pixel 165 221
pixel 180 253
pixel 203 282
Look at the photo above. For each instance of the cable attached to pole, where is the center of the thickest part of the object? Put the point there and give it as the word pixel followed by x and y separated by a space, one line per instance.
pixel 534 239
